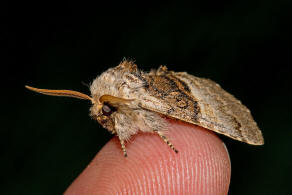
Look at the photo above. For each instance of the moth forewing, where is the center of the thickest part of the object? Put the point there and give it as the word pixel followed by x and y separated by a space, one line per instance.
pixel 202 102
pixel 222 112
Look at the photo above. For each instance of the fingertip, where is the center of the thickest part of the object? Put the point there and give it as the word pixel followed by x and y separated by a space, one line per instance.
pixel 201 166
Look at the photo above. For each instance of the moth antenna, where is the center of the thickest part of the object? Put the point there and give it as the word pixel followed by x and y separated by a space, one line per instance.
pixel 65 93
pixel 113 99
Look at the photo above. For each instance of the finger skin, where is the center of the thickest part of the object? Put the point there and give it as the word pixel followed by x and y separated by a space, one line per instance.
pixel 201 166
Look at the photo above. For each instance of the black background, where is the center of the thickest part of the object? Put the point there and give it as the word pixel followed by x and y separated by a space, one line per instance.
pixel 47 141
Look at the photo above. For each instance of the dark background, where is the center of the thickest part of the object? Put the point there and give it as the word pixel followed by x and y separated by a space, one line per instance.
pixel 47 141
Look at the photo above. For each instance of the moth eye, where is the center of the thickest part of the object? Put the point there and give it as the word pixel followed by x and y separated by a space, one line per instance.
pixel 107 110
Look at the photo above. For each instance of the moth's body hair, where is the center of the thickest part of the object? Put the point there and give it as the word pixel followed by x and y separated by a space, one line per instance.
pixel 127 100
pixel 130 118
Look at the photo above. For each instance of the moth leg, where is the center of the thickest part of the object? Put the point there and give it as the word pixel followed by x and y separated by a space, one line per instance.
pixel 123 147
pixel 165 139
pixel 112 132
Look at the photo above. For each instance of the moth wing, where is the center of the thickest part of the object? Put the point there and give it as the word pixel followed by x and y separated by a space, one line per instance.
pixel 202 102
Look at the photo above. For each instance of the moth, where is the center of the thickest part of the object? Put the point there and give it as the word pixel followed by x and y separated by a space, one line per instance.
pixel 126 100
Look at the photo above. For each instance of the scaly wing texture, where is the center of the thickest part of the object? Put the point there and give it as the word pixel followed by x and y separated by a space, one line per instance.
pixel 202 102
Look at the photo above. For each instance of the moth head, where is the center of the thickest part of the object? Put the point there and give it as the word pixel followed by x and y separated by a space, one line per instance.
pixel 103 108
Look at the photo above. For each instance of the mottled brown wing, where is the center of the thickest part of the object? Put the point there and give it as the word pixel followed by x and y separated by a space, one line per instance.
pixel 202 102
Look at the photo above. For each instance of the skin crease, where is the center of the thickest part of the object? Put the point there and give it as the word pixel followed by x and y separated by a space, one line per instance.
pixel 202 165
